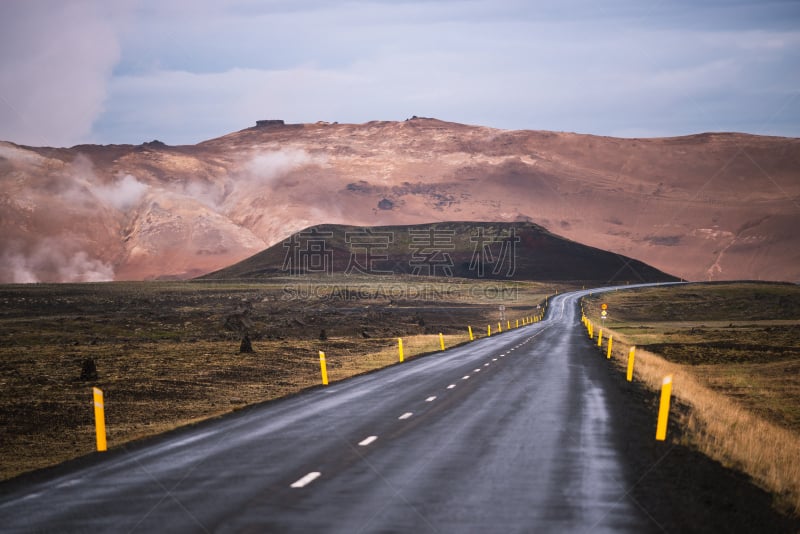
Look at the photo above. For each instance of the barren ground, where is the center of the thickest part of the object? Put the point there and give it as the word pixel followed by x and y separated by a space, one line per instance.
pixel 167 354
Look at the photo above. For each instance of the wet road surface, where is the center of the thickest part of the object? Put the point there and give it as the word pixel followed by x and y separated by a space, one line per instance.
pixel 511 433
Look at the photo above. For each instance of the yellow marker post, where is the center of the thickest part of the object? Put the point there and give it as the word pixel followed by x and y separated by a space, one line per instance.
pixel 508 325
pixel 99 419
pixel 400 347
pixel 610 341
pixel 600 338
pixel 441 340
pixel 488 330
pixel 471 337
pixel 517 324
pixel 323 368
pixel 499 328
pixel 663 408
pixel 631 355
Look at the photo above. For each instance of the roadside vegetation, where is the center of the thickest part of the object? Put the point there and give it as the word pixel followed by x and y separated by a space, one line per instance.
pixel 167 354
pixel 734 352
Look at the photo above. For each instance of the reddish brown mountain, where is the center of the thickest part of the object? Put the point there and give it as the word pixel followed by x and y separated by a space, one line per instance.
pixel 708 206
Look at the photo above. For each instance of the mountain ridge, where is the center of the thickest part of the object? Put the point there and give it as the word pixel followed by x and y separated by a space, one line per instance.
pixel 709 206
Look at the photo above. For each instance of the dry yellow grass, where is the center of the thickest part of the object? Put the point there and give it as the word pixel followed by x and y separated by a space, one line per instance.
pixel 347 365
pixel 721 428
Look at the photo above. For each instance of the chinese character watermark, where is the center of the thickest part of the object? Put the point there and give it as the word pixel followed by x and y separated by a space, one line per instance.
pixel 308 252
pixel 366 249
pixel 429 254
pixel 483 256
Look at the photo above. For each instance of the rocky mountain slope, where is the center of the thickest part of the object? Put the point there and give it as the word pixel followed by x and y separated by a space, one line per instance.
pixel 707 206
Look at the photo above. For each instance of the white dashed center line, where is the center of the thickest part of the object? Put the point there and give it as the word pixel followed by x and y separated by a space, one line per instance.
pixel 367 441
pixel 306 480
pixel 406 415
pixel 476 370
pixel 466 377
pixel 494 359
pixel 431 398
pixel 451 386
pixel 486 364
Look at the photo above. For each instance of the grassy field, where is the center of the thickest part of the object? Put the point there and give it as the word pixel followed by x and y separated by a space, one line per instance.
pixel 167 353
pixel 734 350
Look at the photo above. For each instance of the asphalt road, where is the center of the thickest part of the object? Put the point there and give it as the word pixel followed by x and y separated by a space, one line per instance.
pixel 507 434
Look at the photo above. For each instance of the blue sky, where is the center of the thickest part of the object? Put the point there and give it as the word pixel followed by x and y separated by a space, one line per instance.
pixel 184 71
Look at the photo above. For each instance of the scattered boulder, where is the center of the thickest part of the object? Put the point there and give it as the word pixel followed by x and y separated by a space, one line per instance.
pixel 155 143
pixel 88 369
pixel 246 347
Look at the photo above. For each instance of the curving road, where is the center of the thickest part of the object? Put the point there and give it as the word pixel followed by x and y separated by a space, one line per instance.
pixel 511 433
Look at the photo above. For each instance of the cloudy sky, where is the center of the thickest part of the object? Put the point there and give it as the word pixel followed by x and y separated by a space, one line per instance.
pixel 182 71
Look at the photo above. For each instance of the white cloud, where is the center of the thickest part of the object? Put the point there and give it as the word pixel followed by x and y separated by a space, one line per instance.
pixel 52 260
pixel 193 71
pixel 265 167
pixel 123 193
pixel 57 58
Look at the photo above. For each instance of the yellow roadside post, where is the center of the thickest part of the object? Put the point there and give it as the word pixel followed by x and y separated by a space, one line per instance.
pixel 508 325
pixel 400 347
pixel 631 355
pixel 99 419
pixel 610 341
pixel 441 340
pixel 499 328
pixel 663 409
pixel 517 324
pixel 488 330
pixel 600 338
pixel 471 337
pixel 323 368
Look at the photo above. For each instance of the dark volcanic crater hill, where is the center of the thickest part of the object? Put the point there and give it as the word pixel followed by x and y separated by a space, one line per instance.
pixel 519 251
